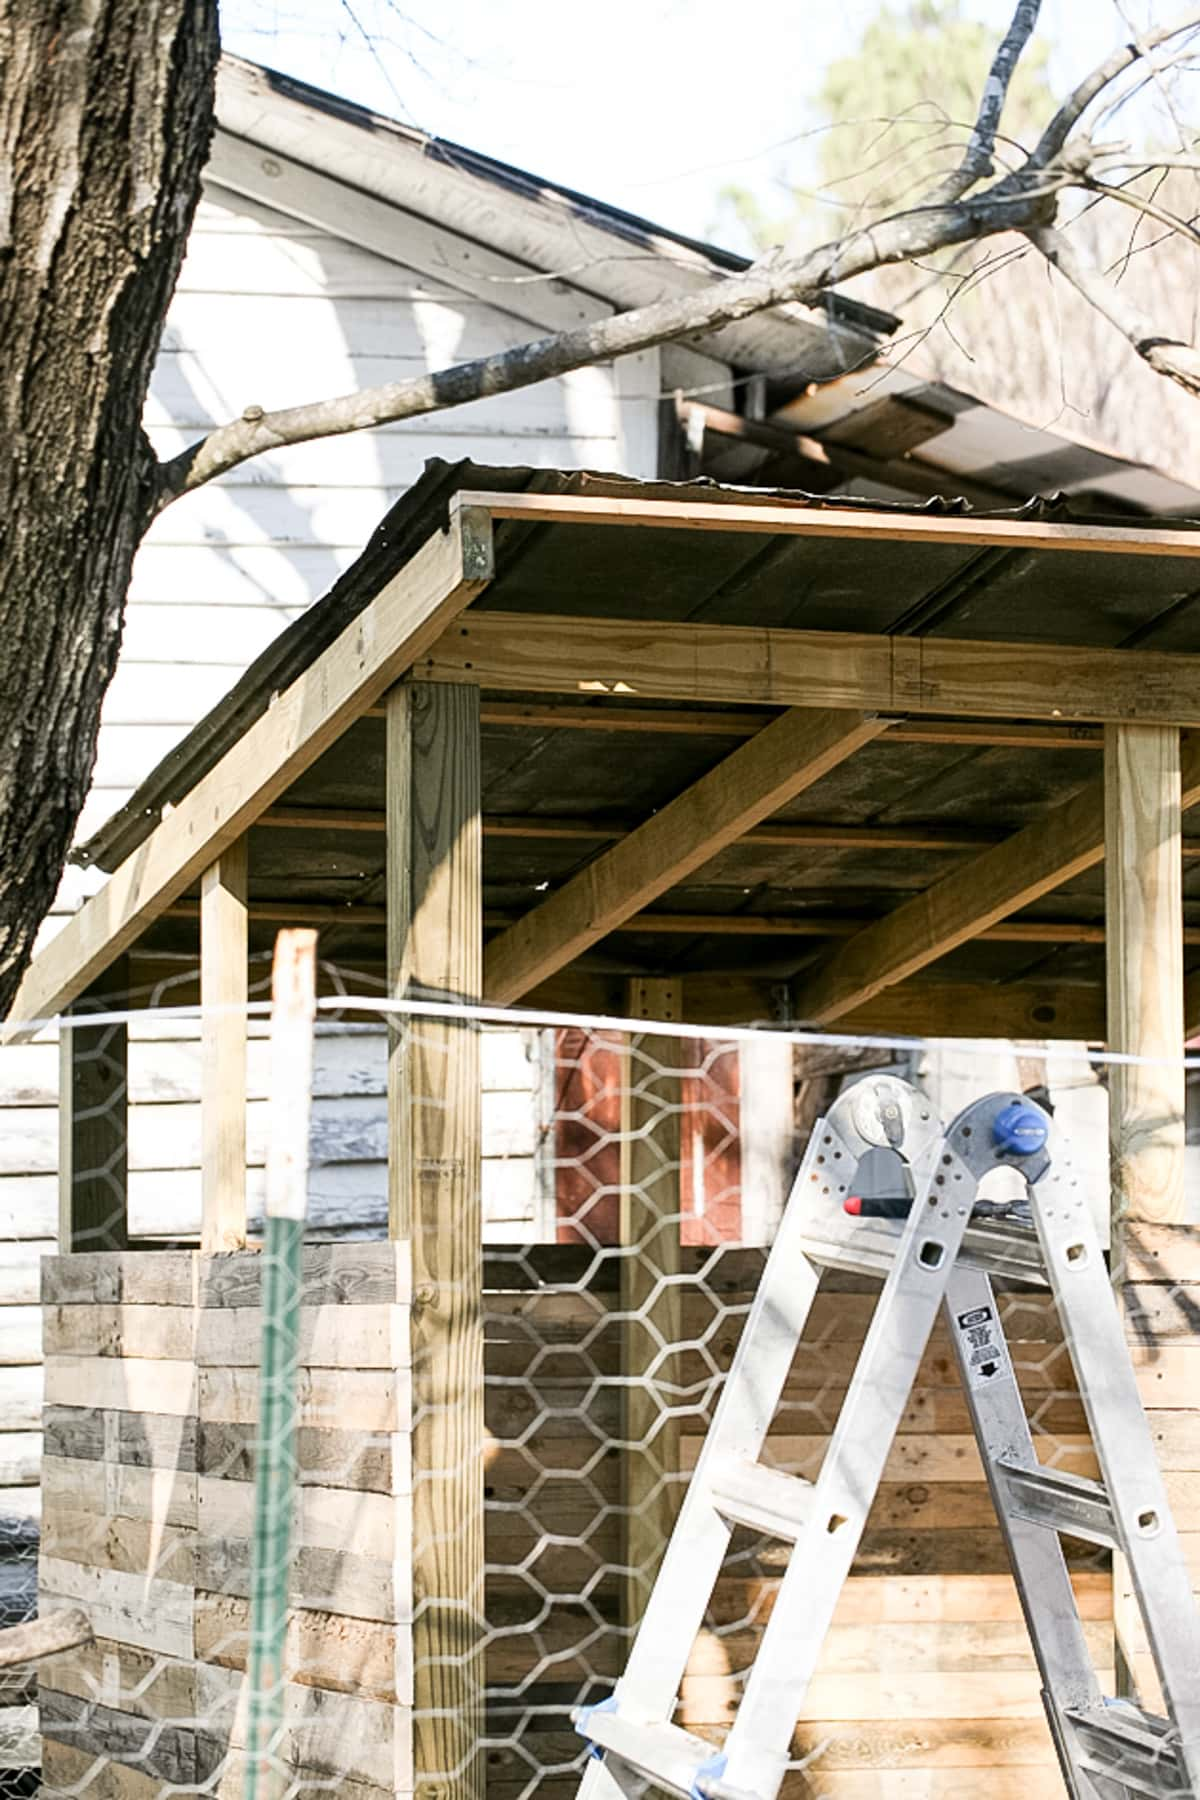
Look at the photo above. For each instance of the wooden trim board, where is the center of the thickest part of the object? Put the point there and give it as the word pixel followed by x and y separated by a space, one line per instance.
pixel 757 665
pixel 801 519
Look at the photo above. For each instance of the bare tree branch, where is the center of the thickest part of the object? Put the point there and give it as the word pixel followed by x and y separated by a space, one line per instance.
pixel 1171 357
pixel 1093 85
pixel 977 163
pixel 773 281
pixel 1022 200
pixel 1147 207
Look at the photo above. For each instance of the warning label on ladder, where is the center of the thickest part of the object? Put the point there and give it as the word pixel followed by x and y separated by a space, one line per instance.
pixel 981 1346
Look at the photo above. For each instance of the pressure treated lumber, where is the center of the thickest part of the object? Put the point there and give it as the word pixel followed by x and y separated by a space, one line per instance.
pixel 650 1297
pixel 93 1122
pixel 799 519
pixel 756 665
pixel 1063 843
pixel 1144 911
pixel 745 788
pixel 224 994
pixel 1143 907
pixel 398 626
pixel 434 894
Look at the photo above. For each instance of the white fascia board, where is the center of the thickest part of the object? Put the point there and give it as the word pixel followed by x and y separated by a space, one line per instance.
pixel 545 235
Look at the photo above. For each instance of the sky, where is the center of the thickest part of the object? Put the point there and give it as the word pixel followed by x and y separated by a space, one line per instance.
pixel 652 105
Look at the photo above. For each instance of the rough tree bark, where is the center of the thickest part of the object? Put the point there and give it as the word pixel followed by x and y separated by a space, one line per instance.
pixel 105 119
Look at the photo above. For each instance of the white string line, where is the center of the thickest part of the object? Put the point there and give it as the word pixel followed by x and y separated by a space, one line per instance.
pixel 529 1017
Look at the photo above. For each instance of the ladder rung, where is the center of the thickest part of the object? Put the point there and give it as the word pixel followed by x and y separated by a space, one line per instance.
pixel 1011 1252
pixel 1131 1747
pixel 1061 1502
pixel 1008 1250
pixel 663 1753
pixel 765 1499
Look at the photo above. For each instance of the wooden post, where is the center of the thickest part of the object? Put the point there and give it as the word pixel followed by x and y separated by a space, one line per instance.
pixel 93 1102
pixel 224 993
pixel 1144 910
pixel 651 1298
pixel 435 952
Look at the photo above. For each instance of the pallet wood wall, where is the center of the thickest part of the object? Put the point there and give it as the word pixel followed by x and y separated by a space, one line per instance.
pixel 927 1684
pixel 151 1411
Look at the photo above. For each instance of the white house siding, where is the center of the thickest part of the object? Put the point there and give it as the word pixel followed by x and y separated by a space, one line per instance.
pixel 270 311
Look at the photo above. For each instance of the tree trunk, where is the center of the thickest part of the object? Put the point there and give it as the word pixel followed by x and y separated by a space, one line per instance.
pixel 105 119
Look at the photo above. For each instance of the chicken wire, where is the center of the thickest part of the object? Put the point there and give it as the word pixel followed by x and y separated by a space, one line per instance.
pixel 633 1180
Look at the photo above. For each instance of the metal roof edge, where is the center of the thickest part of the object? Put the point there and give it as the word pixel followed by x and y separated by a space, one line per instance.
pixel 545 225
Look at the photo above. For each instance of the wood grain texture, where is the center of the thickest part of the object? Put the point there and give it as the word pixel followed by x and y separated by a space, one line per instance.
pixel 224 993
pixel 1144 795
pixel 650 1298
pixel 1146 1019
pixel 799 519
pixel 434 873
pixel 859 671
pixel 746 787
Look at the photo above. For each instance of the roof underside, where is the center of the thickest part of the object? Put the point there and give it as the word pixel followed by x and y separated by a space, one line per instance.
pixel 540 775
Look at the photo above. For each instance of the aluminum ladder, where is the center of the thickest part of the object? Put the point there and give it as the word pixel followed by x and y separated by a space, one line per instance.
pixel 944 1252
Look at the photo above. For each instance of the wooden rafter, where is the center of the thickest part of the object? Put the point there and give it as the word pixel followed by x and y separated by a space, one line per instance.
pixel 1061 844
pixel 396 628
pixel 755 665
pixel 745 788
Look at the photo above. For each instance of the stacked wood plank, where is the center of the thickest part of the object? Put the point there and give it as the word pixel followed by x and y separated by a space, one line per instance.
pixel 927 1682
pixel 152 1404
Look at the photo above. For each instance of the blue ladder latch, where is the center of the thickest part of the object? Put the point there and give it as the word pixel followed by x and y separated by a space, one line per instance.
pixel 1020 1129
pixel 714 1768
pixel 586 1714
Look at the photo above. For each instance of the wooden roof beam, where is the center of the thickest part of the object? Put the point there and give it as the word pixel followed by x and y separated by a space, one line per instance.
pixel 965 903
pixel 746 787
pixel 373 651
pixel 860 671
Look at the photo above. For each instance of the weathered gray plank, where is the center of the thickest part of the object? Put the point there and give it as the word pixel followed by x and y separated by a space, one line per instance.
pixel 137 1277
pixel 335 1581
pixel 152 1746
pixel 360 1460
pixel 149 1440
pixel 324 1733
pixel 333 1275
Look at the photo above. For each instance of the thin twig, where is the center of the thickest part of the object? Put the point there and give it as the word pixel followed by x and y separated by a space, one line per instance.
pixel 1171 357
pixel 1093 85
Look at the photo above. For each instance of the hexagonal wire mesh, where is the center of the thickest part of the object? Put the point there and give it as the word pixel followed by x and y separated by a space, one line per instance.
pixel 633 1181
